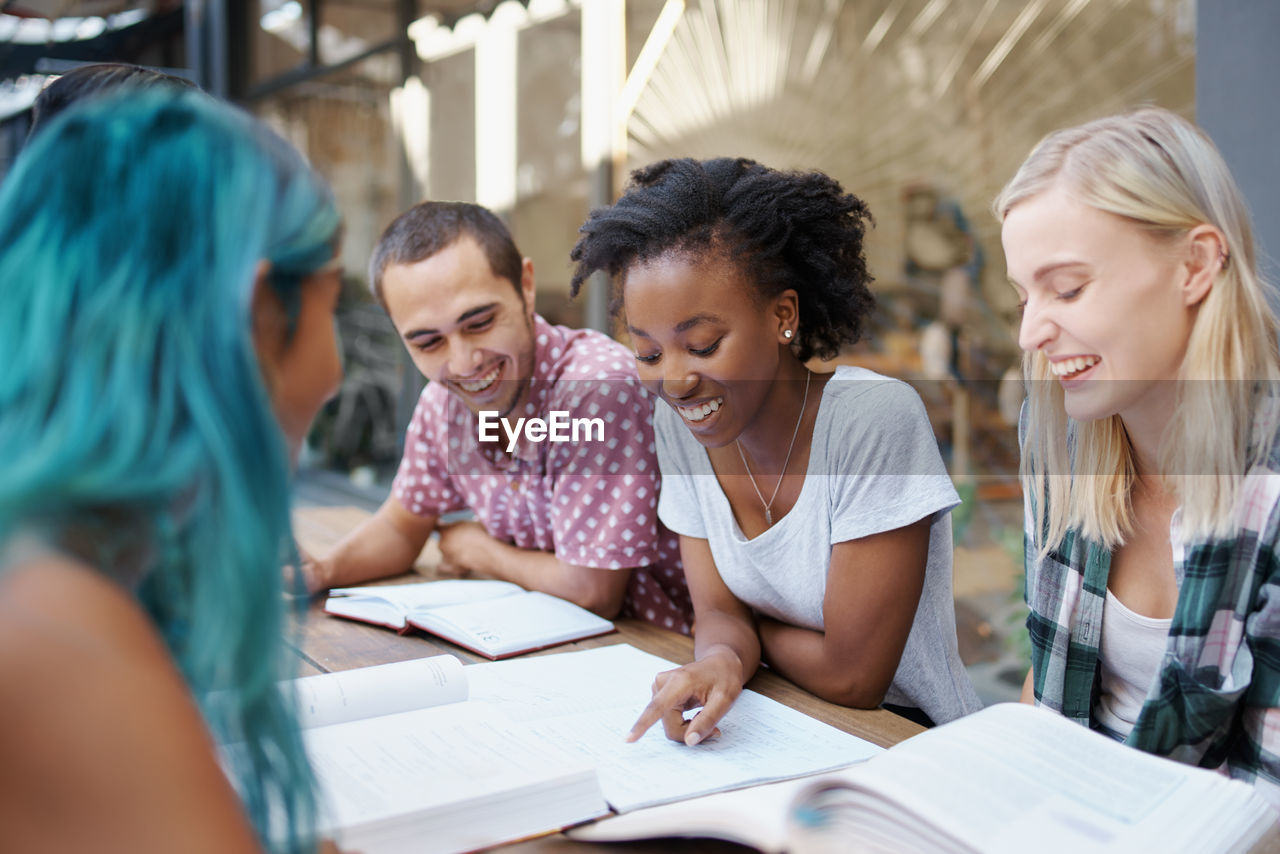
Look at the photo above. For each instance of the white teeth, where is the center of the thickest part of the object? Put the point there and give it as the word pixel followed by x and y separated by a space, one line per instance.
pixel 481 384
pixel 1067 367
pixel 697 413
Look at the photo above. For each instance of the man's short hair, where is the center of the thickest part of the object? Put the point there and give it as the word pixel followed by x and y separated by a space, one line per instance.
pixel 429 227
pixel 91 81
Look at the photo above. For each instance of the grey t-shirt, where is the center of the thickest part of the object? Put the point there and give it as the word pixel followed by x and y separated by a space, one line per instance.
pixel 873 466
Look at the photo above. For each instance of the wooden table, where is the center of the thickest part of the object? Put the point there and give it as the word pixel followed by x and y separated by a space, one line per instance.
pixel 329 644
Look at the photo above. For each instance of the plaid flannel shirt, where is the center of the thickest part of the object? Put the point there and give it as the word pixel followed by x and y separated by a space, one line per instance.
pixel 1216 699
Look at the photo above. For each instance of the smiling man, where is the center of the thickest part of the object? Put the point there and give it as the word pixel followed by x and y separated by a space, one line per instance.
pixel 570 513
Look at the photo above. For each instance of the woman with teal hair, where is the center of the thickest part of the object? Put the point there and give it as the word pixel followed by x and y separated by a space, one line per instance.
pixel 168 277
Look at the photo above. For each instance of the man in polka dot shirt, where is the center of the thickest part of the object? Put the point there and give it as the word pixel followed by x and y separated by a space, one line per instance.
pixel 576 519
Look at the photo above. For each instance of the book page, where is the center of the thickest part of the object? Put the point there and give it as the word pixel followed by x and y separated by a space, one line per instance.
pixel 368 609
pixel 431 594
pixel 429 760
pixel 755 817
pixel 1013 777
pixel 388 604
pixel 384 689
pixel 587 701
pixel 511 624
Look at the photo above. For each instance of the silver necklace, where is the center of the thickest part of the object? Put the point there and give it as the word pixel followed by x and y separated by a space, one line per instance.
pixel 768 505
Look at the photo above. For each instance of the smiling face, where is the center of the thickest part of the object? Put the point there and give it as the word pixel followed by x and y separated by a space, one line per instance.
pixel 1104 302
pixel 705 342
pixel 465 326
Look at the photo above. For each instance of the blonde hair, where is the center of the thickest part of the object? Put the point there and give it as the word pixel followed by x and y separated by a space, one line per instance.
pixel 1164 175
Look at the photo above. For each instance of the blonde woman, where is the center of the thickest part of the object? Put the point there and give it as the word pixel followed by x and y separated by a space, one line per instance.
pixel 1150 466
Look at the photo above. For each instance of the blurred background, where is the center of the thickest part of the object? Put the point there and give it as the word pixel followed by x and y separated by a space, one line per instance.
pixel 539 109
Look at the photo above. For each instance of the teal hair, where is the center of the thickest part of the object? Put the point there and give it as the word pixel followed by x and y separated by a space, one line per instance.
pixel 136 431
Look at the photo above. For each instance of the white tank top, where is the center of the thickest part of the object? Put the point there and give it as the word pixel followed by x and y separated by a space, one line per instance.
pixel 1130 653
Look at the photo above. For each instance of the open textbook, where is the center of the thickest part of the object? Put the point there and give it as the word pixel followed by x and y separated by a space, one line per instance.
pixel 496 619
pixel 1010 778
pixel 427 755
pixel 406 764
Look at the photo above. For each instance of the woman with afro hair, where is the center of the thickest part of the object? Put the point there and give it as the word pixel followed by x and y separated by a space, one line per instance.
pixel 813 509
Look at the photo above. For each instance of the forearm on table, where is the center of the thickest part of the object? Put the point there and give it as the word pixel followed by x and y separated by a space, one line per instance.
pixel 383 545
pixel 719 633
pixel 811 660
pixel 600 591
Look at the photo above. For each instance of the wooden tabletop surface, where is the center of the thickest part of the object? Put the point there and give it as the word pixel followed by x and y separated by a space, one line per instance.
pixel 329 644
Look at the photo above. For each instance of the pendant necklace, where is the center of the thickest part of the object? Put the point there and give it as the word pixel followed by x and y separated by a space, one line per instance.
pixel 768 505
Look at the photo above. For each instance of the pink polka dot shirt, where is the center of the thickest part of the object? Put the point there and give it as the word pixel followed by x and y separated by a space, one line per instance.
pixel 592 502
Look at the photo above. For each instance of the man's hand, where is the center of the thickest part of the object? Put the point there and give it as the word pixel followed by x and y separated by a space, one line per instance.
pixel 464 549
pixel 313 572
pixel 712 682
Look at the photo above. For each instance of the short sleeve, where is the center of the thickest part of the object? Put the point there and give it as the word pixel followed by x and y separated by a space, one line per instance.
pixel 678 506
pixel 605 496
pixel 888 471
pixel 422 483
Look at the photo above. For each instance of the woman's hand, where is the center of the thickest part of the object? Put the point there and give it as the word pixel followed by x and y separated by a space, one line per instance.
pixel 712 682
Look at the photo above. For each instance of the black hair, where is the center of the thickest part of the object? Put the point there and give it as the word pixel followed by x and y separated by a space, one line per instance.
pixel 428 227
pixel 797 230
pixel 89 81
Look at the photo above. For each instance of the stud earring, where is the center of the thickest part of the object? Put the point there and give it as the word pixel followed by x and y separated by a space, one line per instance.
pixel 786 333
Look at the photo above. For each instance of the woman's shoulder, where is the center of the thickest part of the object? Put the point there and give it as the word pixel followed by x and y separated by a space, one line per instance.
pixel 679 453
pixel 669 426
pixel 1265 431
pixel 93 708
pixel 851 380
pixel 1258 505
pixel 859 394
pixel 70 634
pixel 45 592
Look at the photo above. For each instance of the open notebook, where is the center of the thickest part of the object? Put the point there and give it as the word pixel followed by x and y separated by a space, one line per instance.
pixel 495 619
